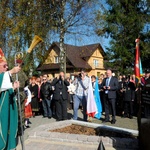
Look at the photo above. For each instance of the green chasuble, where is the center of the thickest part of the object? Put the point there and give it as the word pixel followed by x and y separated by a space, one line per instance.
pixel 8 118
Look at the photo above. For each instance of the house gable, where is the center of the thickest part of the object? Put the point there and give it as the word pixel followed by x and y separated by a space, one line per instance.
pixel 96 60
pixel 51 57
pixel 97 53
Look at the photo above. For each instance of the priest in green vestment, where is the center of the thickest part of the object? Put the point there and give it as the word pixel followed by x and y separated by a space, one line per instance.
pixel 8 106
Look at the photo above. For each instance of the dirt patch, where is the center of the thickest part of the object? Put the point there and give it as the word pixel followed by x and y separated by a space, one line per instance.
pixel 76 129
pixel 79 129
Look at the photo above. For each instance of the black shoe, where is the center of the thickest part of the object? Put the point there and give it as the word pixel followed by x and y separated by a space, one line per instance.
pixel 113 121
pixel 27 126
pixel 44 116
pixel 131 117
pixel 106 120
pixel 49 117
pixel 58 119
pixel 124 116
pixel 29 122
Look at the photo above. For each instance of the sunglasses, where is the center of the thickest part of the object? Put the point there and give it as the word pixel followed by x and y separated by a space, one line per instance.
pixel 5 66
pixel 44 79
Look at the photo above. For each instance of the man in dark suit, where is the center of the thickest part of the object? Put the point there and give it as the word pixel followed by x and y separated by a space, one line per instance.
pixel 110 86
pixel 45 93
pixel 60 96
pixel 128 97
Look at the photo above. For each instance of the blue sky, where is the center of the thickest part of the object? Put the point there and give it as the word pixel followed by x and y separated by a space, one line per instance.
pixel 92 37
pixel 81 40
pixel 86 40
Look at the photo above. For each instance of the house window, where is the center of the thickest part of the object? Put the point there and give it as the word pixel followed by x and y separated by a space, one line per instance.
pixel 95 62
pixel 56 59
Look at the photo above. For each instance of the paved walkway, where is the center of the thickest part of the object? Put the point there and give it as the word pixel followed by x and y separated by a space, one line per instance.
pixel 55 145
pixel 39 144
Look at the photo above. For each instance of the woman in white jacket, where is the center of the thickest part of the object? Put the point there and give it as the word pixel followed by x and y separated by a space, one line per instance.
pixel 71 90
pixel 28 110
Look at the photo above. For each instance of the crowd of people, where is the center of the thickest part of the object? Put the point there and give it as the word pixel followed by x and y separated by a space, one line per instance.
pixel 118 95
pixel 53 97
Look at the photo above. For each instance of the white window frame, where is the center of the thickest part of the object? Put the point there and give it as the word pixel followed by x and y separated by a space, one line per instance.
pixel 95 62
pixel 56 59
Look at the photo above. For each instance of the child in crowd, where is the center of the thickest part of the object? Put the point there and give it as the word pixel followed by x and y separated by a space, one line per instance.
pixel 28 110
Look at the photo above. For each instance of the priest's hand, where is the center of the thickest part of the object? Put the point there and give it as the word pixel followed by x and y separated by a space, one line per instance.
pixel 14 70
pixel 16 85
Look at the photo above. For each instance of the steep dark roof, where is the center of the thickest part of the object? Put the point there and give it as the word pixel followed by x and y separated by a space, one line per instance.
pixel 83 51
pixel 88 50
pixel 75 54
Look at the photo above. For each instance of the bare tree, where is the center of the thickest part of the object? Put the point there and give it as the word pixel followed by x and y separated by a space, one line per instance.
pixel 70 15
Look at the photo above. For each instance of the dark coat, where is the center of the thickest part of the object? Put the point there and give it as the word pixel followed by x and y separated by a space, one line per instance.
pixel 147 81
pixel 113 87
pixel 34 101
pixel 129 91
pixel 34 91
pixel 46 90
pixel 120 85
pixel 60 89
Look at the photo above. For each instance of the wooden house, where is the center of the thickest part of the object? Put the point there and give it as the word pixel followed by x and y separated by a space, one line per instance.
pixel 88 57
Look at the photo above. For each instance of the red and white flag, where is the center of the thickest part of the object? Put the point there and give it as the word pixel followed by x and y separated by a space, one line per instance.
pixel 91 105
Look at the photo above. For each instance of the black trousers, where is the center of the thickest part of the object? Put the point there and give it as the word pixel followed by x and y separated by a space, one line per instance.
pixel 70 101
pixel 110 104
pixel 128 108
pixel 61 109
